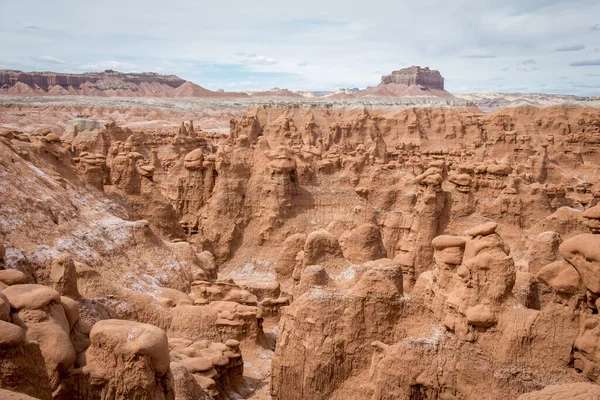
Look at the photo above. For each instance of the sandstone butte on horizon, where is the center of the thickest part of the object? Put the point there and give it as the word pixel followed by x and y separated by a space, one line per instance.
pixel 180 251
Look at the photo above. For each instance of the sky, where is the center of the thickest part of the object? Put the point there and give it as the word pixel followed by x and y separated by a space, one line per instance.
pixel 533 46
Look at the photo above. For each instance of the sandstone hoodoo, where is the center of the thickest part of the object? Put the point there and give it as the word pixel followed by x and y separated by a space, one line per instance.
pixel 372 248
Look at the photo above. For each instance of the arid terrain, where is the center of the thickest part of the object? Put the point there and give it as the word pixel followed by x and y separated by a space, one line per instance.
pixel 385 245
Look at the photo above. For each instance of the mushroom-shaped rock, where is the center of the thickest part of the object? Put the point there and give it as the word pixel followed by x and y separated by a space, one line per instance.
pixel 583 252
pixel 461 179
pixel 591 218
pixel 483 229
pixel 282 160
pixel 12 277
pixel 449 249
pixel 32 297
pixel 193 160
pixel 433 180
pixel 445 241
pixel 321 245
pixel 146 170
pixel 37 308
pixel 427 173
pixel 131 339
pixel 362 244
pixel 64 276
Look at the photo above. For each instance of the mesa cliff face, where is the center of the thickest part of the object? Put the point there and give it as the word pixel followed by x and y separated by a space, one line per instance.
pixel 422 253
pixel 103 84
pixel 102 80
pixel 415 76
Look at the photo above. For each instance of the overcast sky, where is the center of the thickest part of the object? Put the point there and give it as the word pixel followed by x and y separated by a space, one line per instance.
pixel 550 46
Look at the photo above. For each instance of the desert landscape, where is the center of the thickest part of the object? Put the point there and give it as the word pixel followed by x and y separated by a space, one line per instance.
pixel 163 241
pixel 300 201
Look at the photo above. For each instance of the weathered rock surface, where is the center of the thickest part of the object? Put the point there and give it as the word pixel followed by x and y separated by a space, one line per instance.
pixel 415 253
pixel 415 76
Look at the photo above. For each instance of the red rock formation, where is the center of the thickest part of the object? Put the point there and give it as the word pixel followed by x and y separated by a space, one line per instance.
pixel 415 76
pixel 273 241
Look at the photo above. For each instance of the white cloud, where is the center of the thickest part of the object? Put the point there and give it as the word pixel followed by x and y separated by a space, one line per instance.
pixel 576 47
pixel 48 59
pixel 585 63
pixel 252 59
pixel 104 65
pixel 481 56
pixel 530 61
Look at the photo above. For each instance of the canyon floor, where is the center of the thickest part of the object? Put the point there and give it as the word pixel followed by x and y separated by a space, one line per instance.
pixel 298 249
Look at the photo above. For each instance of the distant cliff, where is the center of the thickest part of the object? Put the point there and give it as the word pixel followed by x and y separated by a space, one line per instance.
pixel 101 80
pixel 103 84
pixel 415 75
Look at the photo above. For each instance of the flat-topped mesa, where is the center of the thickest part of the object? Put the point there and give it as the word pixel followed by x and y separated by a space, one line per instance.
pixel 415 75
pixel 108 79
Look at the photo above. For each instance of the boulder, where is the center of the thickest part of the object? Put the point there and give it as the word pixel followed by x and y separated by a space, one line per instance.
pixel 483 230
pixel 583 252
pixel 12 277
pixel 10 335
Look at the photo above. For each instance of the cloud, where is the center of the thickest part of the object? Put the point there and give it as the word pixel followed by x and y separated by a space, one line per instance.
pixel 303 64
pixel 253 59
pixel 104 65
pixel 479 56
pixel 241 84
pixel 276 38
pixel 530 61
pixel 48 59
pixel 592 74
pixel 585 63
pixel 587 86
pixel 497 78
pixel 576 47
